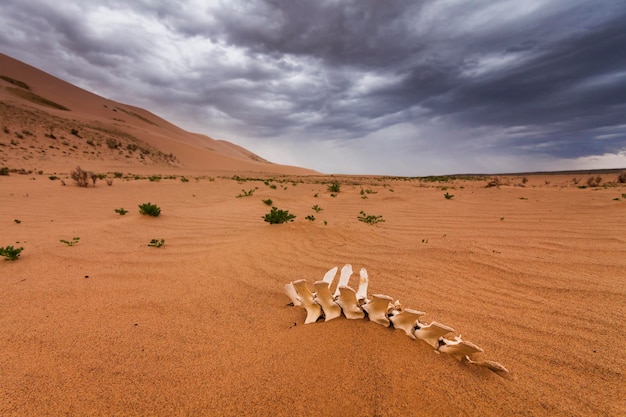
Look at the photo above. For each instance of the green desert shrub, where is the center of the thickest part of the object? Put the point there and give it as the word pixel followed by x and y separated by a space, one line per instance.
pixel 334 187
pixel 369 219
pixel 245 193
pixel 10 253
pixel 149 209
pixel 276 216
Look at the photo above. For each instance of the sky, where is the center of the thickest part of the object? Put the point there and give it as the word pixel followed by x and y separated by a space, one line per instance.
pixel 385 87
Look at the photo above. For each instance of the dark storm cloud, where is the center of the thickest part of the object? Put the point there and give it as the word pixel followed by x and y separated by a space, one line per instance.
pixel 503 78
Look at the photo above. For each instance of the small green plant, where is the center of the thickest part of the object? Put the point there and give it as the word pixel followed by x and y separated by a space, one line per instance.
pixel 448 196
pixel 273 186
pixel 245 193
pixel 17 221
pixel 523 198
pixel 370 219
pixel 156 243
pixel 317 208
pixel 310 217
pixel 10 253
pixel 121 211
pixel 268 202
pixel 149 209
pixel 72 242
pixel 4 170
pixel 424 240
pixel 184 179
pixel 276 216
pixel 334 187
pixel 154 178
pixel 53 177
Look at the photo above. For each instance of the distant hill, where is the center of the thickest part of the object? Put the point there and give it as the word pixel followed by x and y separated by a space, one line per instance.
pixel 47 123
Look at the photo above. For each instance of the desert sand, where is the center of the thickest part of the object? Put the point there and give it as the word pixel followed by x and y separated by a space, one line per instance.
pixel 201 326
pixel 530 271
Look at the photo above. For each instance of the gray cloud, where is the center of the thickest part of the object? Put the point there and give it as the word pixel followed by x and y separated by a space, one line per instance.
pixel 355 86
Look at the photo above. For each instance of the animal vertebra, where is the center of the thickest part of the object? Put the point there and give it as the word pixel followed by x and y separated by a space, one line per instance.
pixel 380 309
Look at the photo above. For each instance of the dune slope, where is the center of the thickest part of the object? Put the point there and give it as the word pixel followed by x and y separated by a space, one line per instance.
pixel 49 124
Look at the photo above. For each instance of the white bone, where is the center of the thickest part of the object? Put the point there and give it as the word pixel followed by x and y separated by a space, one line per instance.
pixel 313 310
pixel 348 303
pixel 430 333
pixel 395 308
pixel 292 294
pixel 361 293
pixel 325 299
pixel 494 366
pixel 344 277
pixel 458 348
pixel 405 320
pixel 377 309
pixel 330 276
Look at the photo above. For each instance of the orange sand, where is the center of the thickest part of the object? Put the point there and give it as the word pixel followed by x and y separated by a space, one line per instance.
pixel 201 326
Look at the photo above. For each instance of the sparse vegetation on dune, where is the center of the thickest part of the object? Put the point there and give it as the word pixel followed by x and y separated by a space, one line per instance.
pixel 72 242
pixel 80 177
pixel 34 98
pixel 149 209
pixel 276 216
pixel 334 187
pixel 245 193
pixel 369 219
pixel 15 82
pixel 10 253
pixel 594 181
pixel 71 139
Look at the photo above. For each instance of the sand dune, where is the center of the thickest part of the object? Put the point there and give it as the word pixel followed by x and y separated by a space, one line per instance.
pixel 48 124
pixel 200 326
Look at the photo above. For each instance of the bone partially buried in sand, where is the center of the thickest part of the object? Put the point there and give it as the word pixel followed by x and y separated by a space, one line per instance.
pixel 380 309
